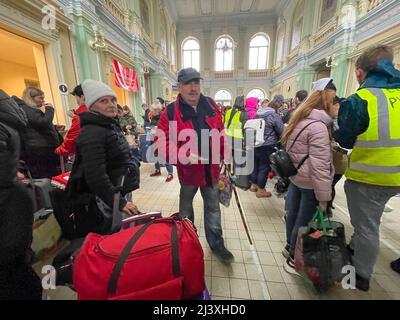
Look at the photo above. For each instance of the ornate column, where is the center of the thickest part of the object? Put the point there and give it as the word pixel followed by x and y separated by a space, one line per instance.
pixel 363 7
pixel 138 95
pixel 156 84
pixel 206 62
pixel 344 45
pixel 308 20
pixel 305 78
pixel 240 50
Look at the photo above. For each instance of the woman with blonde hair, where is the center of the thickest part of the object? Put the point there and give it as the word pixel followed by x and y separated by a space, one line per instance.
pixel 307 140
pixel 41 137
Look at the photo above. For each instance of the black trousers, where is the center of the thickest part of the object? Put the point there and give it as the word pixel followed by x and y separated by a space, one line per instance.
pixel 18 281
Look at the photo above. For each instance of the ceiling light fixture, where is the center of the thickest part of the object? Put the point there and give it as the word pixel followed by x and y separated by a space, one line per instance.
pixel 226 45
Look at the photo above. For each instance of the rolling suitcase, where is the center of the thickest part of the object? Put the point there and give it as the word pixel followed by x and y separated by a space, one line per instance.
pixel 242 181
pixel 42 189
pixel 39 189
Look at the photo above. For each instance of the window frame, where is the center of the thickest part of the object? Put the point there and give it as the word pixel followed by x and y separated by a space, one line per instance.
pixel 258 51
pixel 263 91
pixel 223 62
pixel 226 90
pixel 190 50
pixel 299 11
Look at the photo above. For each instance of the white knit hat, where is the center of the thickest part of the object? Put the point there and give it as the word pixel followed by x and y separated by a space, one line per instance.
pixel 94 90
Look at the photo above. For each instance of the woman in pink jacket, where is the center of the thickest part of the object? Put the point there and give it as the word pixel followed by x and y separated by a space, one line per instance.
pixel 312 186
pixel 251 107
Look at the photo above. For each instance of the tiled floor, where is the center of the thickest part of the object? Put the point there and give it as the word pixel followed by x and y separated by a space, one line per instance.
pixel 258 269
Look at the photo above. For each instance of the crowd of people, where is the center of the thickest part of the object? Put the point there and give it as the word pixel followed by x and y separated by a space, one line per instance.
pixel 317 130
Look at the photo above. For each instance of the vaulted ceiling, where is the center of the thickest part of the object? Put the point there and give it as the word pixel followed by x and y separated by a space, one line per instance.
pixel 214 8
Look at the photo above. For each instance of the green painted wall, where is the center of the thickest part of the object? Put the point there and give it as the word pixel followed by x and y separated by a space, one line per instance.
pixel 87 59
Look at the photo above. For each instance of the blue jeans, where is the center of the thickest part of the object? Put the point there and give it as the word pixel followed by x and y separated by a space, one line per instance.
pixel 261 165
pixel 169 167
pixel 301 206
pixel 212 212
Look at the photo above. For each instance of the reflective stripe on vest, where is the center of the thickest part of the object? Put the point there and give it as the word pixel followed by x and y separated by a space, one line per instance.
pixel 376 155
pixel 236 127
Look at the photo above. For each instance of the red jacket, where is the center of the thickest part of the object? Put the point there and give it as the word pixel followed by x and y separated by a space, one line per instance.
pixel 192 174
pixel 68 146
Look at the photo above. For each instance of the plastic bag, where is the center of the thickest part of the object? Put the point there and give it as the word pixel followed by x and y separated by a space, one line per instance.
pixel 225 187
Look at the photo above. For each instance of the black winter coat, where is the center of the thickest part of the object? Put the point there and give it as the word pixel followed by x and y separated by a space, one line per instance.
pixel 102 158
pixel 16 212
pixel 40 132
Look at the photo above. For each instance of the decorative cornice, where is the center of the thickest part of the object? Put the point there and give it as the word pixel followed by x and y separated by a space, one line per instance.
pixel 377 21
pixel 282 5
pixel 247 19
pixel 115 31
pixel 171 7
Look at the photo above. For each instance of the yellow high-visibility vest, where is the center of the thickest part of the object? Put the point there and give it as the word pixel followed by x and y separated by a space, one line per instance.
pixel 375 158
pixel 235 127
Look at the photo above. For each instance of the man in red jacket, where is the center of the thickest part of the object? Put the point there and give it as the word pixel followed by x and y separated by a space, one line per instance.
pixel 68 146
pixel 196 125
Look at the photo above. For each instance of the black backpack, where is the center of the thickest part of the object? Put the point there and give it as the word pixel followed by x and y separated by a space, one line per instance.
pixel 281 163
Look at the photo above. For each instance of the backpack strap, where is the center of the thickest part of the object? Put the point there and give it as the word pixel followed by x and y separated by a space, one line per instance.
pixel 233 112
pixel 301 131
pixel 171 112
pixel 298 135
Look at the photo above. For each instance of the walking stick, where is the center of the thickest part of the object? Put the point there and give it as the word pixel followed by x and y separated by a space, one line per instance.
pixel 241 211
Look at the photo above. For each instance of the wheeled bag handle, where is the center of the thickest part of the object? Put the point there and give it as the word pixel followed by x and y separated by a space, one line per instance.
pixel 62 164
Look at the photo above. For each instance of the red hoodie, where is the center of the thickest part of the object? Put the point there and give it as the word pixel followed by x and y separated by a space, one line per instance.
pixel 68 146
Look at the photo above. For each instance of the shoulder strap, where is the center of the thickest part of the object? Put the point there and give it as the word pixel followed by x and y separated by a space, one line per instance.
pixel 233 112
pixel 171 112
pixel 301 131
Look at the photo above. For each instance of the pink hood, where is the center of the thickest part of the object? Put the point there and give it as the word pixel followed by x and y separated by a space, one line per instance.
pixel 251 107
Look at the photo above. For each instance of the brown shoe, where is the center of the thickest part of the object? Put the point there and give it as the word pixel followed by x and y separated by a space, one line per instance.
pixel 254 188
pixel 262 193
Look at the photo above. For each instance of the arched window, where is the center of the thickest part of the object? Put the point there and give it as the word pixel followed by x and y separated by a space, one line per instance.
pixel 256 93
pixel 145 16
pixel 328 11
pixel 224 54
pixel 259 49
pixel 297 28
pixel 191 54
pixel 280 40
pixel 223 97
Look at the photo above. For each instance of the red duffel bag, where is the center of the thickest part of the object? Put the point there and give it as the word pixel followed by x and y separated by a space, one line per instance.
pixel 161 260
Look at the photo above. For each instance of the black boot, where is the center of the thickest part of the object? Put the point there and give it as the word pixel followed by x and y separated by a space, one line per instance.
pixel 396 265
pixel 224 255
pixel 362 283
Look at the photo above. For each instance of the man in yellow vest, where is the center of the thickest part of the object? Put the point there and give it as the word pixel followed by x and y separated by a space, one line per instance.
pixel 369 123
pixel 235 119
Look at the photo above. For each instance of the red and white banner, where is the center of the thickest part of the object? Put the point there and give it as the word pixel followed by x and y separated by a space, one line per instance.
pixel 125 78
